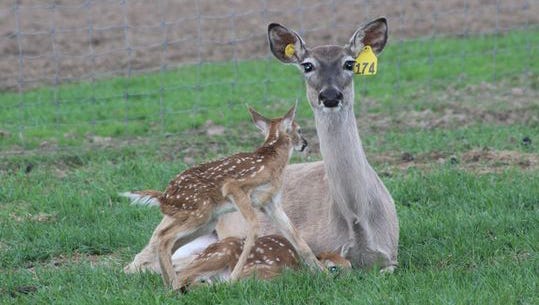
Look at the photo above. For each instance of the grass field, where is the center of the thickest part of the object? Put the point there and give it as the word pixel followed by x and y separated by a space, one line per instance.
pixel 453 132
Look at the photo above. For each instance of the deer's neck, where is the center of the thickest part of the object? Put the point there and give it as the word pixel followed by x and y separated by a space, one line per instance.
pixel 344 159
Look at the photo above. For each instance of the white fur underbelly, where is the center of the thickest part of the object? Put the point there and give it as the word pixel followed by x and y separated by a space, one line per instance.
pixel 195 247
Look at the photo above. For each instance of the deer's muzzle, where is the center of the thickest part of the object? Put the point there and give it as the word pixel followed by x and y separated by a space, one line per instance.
pixel 303 144
pixel 330 97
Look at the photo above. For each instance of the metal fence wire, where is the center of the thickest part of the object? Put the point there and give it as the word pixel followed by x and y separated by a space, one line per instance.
pixel 69 64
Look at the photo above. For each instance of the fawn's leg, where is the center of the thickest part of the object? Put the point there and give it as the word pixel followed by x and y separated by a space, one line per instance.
pixel 184 230
pixel 243 203
pixel 277 215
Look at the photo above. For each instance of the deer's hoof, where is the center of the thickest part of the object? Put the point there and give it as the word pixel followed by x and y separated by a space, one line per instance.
pixel 387 270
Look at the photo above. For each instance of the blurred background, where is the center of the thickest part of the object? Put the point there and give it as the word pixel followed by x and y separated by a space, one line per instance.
pixel 79 73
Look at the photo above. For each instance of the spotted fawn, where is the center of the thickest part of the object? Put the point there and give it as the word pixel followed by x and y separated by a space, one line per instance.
pixel 196 198
pixel 270 255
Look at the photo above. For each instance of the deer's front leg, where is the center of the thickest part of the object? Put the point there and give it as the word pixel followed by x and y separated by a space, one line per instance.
pixel 277 215
pixel 243 203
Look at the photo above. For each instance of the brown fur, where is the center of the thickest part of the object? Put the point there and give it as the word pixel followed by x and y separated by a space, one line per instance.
pixel 197 197
pixel 339 203
pixel 270 255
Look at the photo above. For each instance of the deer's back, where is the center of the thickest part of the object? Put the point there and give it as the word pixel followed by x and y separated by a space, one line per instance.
pixel 199 188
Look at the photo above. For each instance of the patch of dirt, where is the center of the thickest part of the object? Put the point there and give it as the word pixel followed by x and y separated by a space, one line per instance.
pixel 478 161
pixel 458 108
pixel 75 258
pixel 40 217
pixel 25 289
pixel 486 161
pixel 65 40
pixel 213 130
pixel 453 116
pixel 4 134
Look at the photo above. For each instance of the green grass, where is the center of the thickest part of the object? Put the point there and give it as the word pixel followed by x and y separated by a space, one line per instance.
pixel 466 237
pixel 177 100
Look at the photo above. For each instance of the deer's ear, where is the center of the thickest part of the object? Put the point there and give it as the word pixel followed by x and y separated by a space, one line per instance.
pixel 289 117
pixel 260 121
pixel 372 34
pixel 280 38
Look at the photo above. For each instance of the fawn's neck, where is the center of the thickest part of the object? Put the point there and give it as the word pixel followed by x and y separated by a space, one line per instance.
pixel 276 150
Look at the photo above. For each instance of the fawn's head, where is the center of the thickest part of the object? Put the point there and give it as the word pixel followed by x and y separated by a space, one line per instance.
pixel 328 70
pixel 286 127
pixel 334 262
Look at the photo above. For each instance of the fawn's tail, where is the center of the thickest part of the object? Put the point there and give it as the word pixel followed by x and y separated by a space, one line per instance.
pixel 146 197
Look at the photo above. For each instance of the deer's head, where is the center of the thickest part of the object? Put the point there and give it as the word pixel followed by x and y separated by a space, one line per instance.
pixel 285 126
pixel 328 70
pixel 334 262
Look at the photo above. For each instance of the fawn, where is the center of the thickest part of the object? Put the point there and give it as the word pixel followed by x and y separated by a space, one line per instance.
pixel 193 201
pixel 270 255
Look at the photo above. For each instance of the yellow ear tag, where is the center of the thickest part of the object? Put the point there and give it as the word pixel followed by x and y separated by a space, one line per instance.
pixel 289 50
pixel 366 62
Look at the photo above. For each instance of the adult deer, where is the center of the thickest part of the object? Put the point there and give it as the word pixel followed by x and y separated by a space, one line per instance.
pixel 196 198
pixel 340 202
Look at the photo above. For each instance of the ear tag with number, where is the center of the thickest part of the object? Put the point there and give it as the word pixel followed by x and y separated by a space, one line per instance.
pixel 366 62
pixel 289 50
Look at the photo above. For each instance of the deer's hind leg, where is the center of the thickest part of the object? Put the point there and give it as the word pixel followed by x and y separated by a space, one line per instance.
pixel 180 231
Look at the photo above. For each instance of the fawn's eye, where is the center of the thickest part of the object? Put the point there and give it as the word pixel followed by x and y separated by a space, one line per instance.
pixel 349 65
pixel 333 269
pixel 298 130
pixel 307 67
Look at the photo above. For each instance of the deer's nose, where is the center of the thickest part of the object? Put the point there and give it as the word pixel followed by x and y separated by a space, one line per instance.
pixel 304 144
pixel 330 97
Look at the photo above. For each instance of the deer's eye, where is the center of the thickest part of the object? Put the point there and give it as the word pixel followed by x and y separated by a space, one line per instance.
pixel 307 67
pixel 333 269
pixel 349 65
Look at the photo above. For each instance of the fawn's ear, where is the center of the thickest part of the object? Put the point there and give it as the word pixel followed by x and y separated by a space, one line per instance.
pixel 372 34
pixel 289 117
pixel 285 44
pixel 260 121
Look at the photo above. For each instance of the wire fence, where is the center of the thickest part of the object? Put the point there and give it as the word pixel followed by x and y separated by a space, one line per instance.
pixel 152 68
